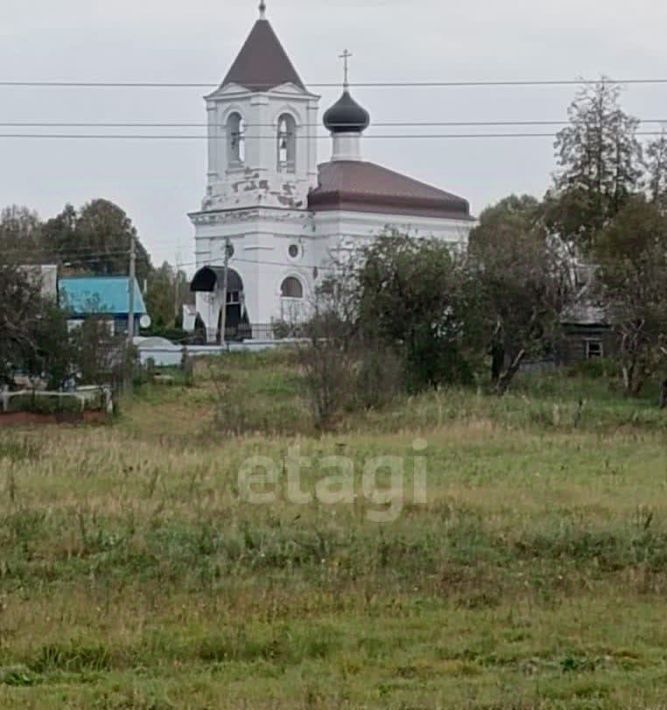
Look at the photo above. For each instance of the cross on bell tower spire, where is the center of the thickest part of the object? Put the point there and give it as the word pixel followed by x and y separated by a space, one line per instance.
pixel 345 56
pixel 262 10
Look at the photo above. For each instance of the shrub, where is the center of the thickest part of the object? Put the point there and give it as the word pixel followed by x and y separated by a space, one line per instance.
pixel 595 369
pixel 39 404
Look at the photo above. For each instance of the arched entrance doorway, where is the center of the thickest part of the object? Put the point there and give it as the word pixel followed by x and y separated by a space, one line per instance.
pixel 211 280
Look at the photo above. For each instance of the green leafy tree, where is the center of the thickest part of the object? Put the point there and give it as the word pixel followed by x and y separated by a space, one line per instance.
pixel 33 330
pixel 59 236
pixel 632 278
pixel 20 235
pixel 51 355
pixel 656 168
pixel 599 166
pixel 97 353
pixel 413 297
pixel 166 294
pixel 96 240
pixel 19 298
pixel 522 278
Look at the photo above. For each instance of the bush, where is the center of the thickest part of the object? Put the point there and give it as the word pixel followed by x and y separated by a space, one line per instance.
pixel 595 369
pixel 380 377
pixel 39 404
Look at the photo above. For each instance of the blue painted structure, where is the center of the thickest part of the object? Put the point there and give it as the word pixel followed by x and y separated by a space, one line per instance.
pixel 86 296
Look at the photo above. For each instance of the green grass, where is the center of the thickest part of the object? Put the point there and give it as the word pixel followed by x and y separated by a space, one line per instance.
pixel 132 576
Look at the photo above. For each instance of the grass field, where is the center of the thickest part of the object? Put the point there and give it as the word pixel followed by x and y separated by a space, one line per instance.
pixel 132 576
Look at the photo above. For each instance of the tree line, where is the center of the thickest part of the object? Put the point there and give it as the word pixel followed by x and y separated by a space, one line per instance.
pixel 94 240
pixel 407 314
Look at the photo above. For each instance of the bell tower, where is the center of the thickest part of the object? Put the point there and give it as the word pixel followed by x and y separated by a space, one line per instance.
pixel 262 145
pixel 254 236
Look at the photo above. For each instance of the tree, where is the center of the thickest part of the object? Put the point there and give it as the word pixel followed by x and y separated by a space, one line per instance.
pixel 166 294
pixel 656 168
pixel 326 354
pixel 51 356
pixel 18 298
pixel 96 240
pixel 59 236
pixel 413 298
pixel 98 354
pixel 33 330
pixel 632 275
pixel 600 166
pixel 20 235
pixel 522 278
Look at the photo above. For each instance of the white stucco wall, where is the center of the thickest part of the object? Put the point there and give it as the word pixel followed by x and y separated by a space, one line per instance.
pixel 262 238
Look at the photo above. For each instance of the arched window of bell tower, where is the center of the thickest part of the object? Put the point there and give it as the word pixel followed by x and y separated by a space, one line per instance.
pixel 286 143
pixel 236 139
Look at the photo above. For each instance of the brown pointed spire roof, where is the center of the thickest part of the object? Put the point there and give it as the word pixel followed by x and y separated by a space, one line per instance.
pixel 262 63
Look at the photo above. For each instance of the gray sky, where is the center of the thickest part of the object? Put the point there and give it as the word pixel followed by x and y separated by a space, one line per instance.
pixel 157 183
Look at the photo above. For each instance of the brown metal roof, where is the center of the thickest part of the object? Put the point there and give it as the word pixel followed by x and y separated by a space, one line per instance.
pixel 262 63
pixel 358 186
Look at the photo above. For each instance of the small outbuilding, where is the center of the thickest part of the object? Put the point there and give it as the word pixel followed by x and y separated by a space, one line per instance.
pixel 105 297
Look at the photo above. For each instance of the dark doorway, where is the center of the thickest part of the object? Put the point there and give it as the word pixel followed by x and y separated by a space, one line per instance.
pixel 211 279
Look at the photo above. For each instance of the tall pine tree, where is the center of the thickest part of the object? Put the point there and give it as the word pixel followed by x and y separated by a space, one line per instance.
pixel 599 166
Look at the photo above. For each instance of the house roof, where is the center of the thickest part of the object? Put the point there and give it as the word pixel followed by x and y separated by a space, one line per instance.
pixel 98 295
pixel 359 186
pixel 262 63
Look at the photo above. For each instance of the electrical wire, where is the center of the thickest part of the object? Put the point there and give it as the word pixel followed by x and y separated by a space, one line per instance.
pixel 486 83
pixel 404 136
pixel 209 262
pixel 407 136
pixel 376 124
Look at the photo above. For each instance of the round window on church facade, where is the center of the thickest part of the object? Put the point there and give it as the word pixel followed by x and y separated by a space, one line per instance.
pixel 294 251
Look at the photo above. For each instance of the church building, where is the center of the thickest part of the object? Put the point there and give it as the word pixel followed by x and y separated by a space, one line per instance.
pixel 274 219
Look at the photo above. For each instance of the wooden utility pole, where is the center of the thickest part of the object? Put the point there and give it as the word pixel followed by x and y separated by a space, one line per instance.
pixel 177 289
pixel 130 286
pixel 225 289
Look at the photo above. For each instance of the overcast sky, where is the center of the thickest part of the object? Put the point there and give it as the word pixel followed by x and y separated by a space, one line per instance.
pixel 157 183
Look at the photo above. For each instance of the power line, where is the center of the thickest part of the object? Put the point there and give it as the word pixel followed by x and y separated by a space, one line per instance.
pixel 81 251
pixel 329 85
pixel 403 136
pixel 376 124
pixel 67 251
pixel 66 259
pixel 211 262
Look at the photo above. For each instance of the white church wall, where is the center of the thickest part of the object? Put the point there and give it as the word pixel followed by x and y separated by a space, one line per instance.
pixel 261 240
pixel 356 228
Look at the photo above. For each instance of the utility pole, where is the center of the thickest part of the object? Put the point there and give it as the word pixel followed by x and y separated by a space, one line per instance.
pixel 225 289
pixel 130 286
pixel 177 286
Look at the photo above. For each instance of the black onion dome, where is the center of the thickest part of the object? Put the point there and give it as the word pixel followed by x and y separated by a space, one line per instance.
pixel 347 116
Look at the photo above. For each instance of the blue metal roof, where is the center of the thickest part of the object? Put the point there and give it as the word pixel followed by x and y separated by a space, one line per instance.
pixel 95 295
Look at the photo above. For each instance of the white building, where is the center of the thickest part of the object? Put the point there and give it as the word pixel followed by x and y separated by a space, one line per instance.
pixel 279 215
